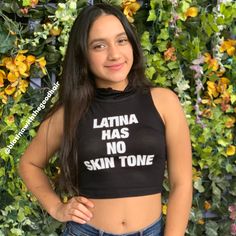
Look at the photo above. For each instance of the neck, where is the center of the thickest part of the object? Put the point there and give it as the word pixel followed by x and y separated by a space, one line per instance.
pixel 119 86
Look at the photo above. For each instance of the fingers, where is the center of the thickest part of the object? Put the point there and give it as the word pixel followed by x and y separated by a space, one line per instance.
pixel 78 209
pixel 85 201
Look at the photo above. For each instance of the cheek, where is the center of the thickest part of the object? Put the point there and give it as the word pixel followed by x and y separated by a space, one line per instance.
pixel 94 61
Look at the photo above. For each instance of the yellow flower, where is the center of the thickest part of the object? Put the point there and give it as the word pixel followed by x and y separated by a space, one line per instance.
pixel 10 119
pixel 223 84
pixel 30 59
pixel 201 222
pixel 230 150
pixel 55 31
pixel 191 12
pixel 213 64
pixel 22 68
pixel 212 89
pixel 17 94
pixel 3 97
pixel 2 77
pixel 196 174
pixel 9 90
pixel 12 77
pixel 164 209
pixel 228 46
pixel 42 63
pixel 23 85
pixel 130 8
pixel 230 122
pixel 207 205
pixel 19 59
pixel 10 65
pixel 207 57
pixel 207 113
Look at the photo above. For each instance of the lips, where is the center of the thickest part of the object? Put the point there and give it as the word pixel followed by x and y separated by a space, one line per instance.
pixel 115 66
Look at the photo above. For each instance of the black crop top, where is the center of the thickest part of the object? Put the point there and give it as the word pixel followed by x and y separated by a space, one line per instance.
pixel 122 148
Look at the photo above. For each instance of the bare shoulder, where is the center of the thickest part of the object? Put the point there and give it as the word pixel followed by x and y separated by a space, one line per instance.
pixel 166 102
pixel 164 95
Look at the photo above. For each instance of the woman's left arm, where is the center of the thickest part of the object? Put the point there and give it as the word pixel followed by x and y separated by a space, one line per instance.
pixel 179 161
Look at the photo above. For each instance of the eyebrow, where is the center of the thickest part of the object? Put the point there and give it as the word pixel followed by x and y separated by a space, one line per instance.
pixel 103 39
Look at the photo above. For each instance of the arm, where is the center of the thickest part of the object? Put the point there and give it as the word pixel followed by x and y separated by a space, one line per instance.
pixel 179 161
pixel 31 169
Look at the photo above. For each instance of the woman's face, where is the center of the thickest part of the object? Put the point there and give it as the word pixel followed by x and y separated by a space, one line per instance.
pixel 110 53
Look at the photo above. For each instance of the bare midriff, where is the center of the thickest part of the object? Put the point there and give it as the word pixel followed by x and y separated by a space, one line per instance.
pixel 125 215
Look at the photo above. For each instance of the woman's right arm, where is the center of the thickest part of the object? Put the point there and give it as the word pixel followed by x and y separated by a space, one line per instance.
pixel 31 169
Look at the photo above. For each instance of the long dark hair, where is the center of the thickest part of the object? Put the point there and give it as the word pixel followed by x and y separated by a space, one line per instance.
pixel 77 86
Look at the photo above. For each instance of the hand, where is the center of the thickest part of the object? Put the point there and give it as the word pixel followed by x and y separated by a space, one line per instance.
pixel 76 209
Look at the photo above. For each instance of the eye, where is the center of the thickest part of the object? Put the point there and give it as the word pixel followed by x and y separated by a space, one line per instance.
pixel 99 46
pixel 123 41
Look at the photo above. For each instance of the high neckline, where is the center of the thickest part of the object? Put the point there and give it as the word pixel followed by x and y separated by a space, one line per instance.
pixel 110 94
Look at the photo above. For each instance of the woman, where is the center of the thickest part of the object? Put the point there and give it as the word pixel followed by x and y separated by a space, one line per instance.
pixel 114 132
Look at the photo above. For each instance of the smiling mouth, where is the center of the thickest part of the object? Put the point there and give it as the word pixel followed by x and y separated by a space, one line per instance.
pixel 115 66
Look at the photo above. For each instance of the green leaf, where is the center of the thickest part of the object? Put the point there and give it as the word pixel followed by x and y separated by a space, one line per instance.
pixel 7 41
pixel 198 185
pixel 152 15
pixel 150 72
pixel 26 3
pixel 211 228
pixel 173 65
pixel 164 34
pixel 229 168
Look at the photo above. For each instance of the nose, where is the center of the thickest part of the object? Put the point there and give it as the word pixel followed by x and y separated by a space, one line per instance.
pixel 113 52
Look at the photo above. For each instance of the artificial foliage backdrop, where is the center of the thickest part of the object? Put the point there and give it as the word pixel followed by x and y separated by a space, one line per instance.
pixel 189 46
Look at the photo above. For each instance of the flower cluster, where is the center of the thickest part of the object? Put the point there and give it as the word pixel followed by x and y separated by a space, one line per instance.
pixel 14 73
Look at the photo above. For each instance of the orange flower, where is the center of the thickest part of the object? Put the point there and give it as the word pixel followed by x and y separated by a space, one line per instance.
pixel 169 54
pixel 191 12
pixel 228 46
pixel 207 205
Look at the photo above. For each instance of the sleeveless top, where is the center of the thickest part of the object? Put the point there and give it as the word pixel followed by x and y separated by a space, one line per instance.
pixel 122 147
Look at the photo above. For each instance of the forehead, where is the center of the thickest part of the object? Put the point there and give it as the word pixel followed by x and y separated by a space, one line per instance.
pixel 105 26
